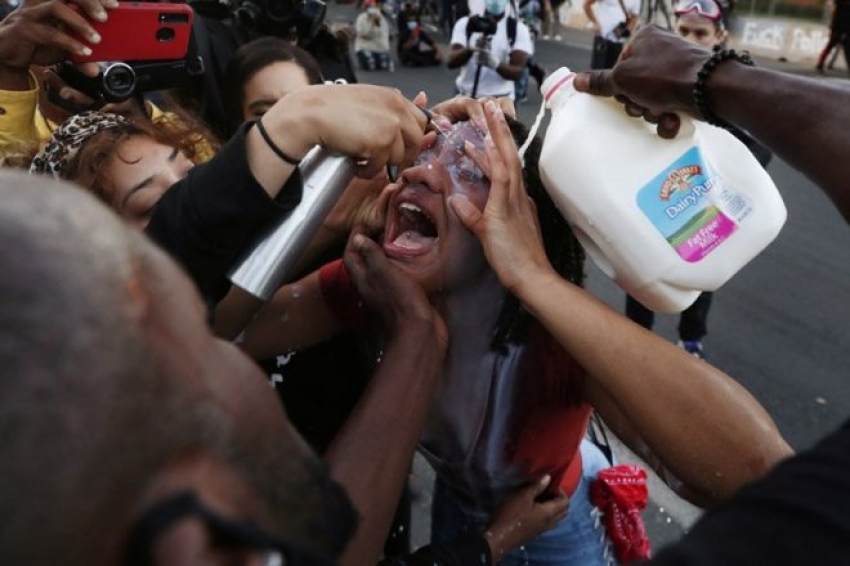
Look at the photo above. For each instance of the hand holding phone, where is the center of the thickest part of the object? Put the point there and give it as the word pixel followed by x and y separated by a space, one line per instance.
pixel 42 32
pixel 141 31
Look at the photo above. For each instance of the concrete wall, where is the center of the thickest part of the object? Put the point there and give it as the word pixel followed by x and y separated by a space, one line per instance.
pixel 795 41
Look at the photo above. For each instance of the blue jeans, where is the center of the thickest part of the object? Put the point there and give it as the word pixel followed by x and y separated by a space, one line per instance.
pixel 373 60
pixel 578 540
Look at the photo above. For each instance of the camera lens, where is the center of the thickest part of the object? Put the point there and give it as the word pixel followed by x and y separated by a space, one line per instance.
pixel 280 10
pixel 119 82
pixel 165 34
pixel 248 14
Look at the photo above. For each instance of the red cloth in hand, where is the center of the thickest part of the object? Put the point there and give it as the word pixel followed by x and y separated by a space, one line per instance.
pixel 620 493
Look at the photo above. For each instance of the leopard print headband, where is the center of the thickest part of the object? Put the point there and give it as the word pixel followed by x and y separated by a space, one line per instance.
pixel 68 138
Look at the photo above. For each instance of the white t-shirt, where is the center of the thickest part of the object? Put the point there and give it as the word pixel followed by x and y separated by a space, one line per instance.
pixel 609 13
pixel 490 83
pixel 371 37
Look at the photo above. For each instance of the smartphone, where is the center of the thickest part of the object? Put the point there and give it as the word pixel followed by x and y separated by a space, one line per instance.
pixel 141 31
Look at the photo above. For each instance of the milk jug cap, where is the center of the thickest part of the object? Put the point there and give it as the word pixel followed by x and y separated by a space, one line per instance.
pixel 553 83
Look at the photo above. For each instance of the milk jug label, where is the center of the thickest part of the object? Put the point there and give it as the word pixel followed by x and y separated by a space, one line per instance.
pixel 691 207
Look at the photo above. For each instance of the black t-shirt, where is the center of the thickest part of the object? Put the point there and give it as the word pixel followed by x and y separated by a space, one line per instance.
pixel 206 220
pixel 799 514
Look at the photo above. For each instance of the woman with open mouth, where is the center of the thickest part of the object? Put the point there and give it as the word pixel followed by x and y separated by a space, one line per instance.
pixel 513 404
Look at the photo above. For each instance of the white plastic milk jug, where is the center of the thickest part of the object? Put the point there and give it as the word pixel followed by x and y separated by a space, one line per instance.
pixel 665 219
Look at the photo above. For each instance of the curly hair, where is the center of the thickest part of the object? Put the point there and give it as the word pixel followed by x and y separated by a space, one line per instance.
pixel 561 246
pixel 88 166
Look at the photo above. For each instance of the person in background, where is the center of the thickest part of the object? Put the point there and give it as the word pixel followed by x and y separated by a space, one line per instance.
pixel 416 48
pixel 839 32
pixel 372 39
pixel 612 21
pixel 262 72
pixel 550 14
pixel 491 62
pixel 699 22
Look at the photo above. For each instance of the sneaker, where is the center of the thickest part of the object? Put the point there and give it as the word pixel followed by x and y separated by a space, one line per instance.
pixel 545 37
pixel 693 347
pixel 523 99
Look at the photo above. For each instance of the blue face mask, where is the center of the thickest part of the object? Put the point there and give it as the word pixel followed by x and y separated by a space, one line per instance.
pixel 412 25
pixel 495 7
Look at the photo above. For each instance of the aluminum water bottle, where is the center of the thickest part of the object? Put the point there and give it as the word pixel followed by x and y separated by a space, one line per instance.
pixel 665 219
pixel 270 263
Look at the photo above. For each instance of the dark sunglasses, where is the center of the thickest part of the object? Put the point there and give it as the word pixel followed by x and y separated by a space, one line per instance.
pixel 226 533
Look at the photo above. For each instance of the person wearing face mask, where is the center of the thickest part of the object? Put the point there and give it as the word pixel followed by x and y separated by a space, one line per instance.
pixel 492 51
pixel 372 42
pixel 416 48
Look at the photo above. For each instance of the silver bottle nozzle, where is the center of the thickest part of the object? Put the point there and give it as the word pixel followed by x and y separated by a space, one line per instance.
pixel 269 264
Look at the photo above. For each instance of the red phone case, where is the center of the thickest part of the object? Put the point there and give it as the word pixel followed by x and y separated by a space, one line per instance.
pixel 141 31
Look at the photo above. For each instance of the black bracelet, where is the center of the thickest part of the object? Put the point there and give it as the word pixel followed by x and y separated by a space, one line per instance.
pixel 700 97
pixel 279 152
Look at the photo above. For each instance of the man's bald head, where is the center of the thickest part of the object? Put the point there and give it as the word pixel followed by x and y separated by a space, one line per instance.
pixel 110 377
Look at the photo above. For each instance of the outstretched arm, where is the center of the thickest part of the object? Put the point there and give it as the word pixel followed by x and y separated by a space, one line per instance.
pixel 804 121
pixel 371 455
pixel 704 427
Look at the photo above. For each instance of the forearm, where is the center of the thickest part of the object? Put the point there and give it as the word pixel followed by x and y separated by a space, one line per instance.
pixel 458 56
pixel 803 121
pixel 371 456
pixel 703 426
pixel 510 71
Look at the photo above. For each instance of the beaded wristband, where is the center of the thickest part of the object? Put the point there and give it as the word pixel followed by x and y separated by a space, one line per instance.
pixel 700 97
pixel 279 152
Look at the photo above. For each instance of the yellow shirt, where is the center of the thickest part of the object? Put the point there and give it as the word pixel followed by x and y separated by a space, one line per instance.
pixel 22 124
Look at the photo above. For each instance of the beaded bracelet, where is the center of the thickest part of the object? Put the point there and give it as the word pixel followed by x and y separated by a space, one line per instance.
pixel 274 147
pixel 700 97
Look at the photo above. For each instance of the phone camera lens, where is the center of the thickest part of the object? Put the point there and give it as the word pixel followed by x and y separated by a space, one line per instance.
pixel 165 34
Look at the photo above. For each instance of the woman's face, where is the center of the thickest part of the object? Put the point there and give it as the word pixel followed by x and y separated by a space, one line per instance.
pixel 700 30
pixel 139 174
pixel 270 84
pixel 422 233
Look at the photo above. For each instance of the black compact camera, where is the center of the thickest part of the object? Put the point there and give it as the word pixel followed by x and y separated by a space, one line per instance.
pixel 118 81
pixel 283 18
pixel 481 24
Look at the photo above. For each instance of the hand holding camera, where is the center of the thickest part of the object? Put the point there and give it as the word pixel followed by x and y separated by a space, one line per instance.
pixel 487 59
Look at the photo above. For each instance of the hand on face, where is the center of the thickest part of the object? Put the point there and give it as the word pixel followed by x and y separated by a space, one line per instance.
pixel 508 226
pixel 654 78
pixel 461 108
pixel 363 202
pixel 385 289
pixel 44 32
pixel 523 517
pixel 376 125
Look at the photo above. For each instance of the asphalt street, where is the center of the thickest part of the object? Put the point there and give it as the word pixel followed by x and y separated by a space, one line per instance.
pixel 778 327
